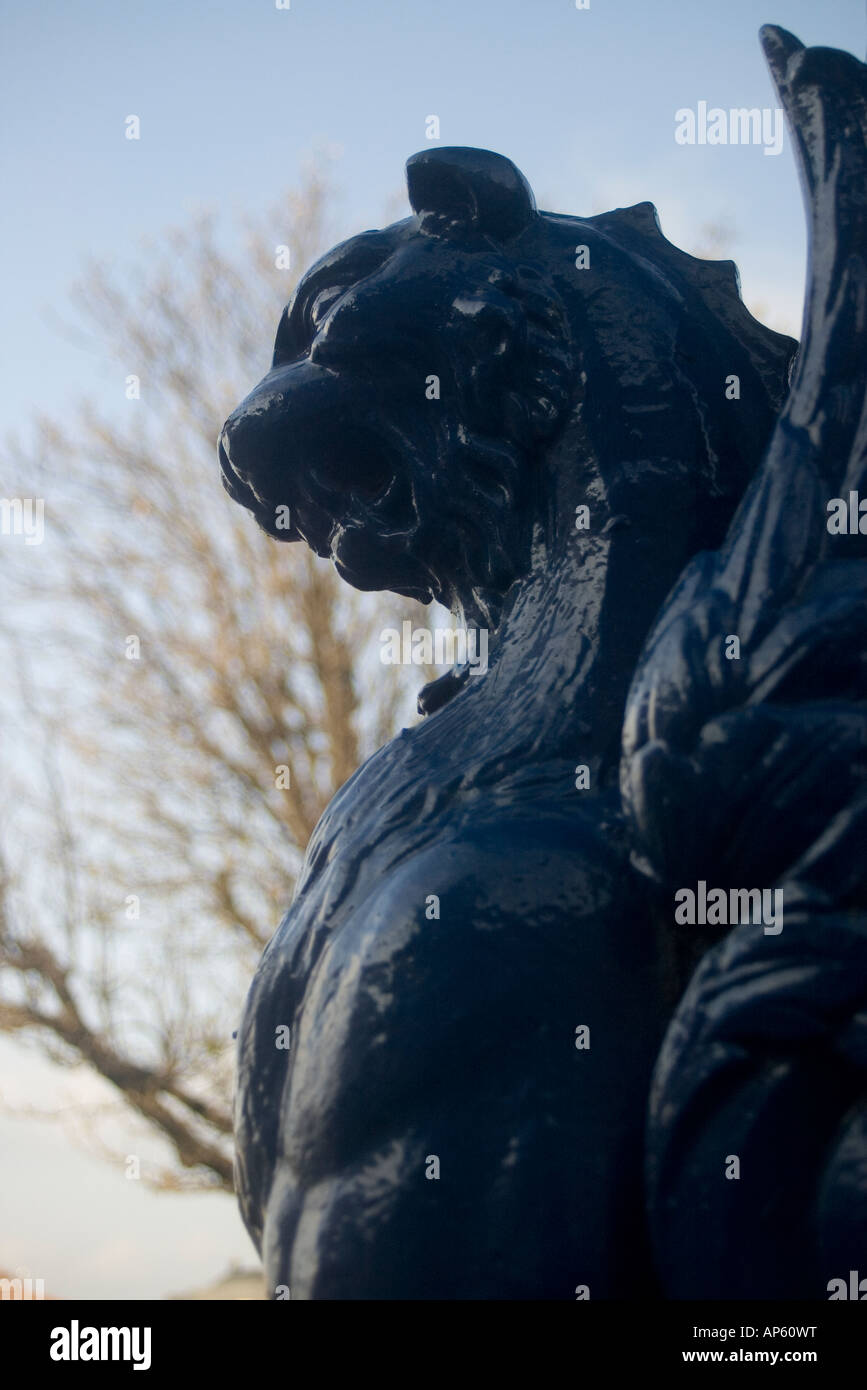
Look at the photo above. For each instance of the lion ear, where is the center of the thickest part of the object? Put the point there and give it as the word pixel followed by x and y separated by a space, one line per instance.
pixel 456 188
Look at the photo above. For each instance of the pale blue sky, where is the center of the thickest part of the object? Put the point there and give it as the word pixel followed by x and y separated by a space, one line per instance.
pixel 72 1218
pixel 233 96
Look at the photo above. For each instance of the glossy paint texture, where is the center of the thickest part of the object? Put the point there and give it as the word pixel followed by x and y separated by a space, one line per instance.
pixel 579 362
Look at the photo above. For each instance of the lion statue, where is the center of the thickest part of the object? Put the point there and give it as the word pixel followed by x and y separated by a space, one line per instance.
pixel 514 1072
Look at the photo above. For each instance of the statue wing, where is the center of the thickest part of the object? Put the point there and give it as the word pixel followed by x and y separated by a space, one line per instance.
pixel 749 771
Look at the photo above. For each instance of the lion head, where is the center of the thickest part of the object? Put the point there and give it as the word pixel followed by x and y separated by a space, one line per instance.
pixel 422 375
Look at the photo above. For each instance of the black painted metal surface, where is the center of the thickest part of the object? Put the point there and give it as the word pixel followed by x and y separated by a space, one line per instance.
pixel 580 362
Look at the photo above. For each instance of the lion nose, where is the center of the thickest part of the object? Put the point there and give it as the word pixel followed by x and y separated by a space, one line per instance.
pixel 254 440
pixel 231 481
pixel 253 468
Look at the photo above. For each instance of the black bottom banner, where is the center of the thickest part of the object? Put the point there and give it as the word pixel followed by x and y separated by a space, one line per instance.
pixel 66 1338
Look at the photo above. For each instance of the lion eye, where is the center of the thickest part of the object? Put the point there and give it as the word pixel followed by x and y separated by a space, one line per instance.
pixel 323 303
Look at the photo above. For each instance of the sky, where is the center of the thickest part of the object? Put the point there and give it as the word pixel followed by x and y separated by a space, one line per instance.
pixel 234 97
pixel 71 1217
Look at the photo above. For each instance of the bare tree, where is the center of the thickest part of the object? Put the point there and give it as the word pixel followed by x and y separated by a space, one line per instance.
pixel 189 693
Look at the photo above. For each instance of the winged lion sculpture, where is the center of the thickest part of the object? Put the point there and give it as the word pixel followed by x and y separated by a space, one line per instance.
pixel 627 1052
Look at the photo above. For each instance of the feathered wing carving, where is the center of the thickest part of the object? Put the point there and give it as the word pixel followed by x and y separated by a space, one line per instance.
pixel 750 773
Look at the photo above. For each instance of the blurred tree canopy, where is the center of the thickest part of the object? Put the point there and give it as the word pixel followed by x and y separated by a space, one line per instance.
pixel 185 694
